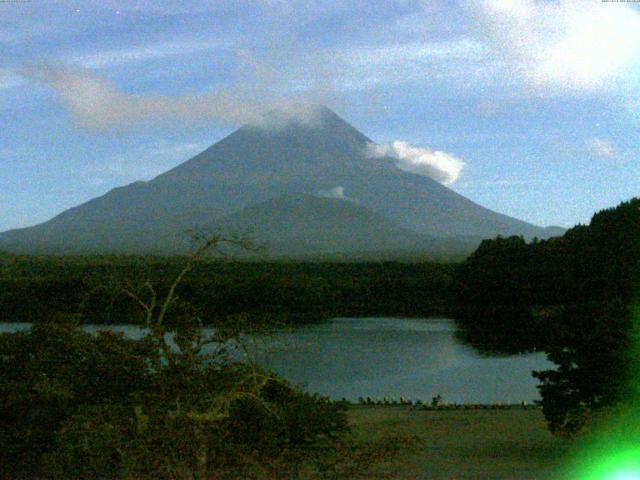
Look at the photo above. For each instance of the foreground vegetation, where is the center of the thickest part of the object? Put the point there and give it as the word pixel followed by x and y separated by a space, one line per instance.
pixel 87 407
pixel 172 404
pixel 81 406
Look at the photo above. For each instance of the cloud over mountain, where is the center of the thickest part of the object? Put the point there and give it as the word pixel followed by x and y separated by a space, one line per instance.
pixel 97 102
pixel 335 192
pixel 440 166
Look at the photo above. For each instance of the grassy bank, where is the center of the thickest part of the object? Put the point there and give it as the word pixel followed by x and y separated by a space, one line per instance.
pixel 398 442
pixel 457 444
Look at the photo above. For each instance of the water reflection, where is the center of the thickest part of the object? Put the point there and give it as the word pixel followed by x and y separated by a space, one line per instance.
pixel 400 357
pixel 392 357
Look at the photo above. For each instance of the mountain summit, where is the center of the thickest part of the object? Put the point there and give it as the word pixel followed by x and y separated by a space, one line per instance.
pixel 262 179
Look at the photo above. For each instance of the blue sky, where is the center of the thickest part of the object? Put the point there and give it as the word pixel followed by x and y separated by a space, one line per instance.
pixel 537 101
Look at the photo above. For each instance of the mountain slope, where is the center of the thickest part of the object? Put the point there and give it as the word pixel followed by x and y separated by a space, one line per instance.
pixel 252 166
pixel 295 225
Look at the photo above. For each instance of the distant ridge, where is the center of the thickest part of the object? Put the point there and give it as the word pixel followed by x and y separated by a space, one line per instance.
pixel 274 181
pixel 291 226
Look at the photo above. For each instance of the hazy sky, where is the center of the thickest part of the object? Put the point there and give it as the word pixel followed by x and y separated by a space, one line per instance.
pixel 535 103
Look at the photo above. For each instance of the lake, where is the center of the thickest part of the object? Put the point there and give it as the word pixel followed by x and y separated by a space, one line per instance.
pixel 392 357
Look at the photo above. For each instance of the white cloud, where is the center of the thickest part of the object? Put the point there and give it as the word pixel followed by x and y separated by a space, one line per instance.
pixel 440 166
pixel 335 192
pixel 98 103
pixel 601 148
pixel 566 44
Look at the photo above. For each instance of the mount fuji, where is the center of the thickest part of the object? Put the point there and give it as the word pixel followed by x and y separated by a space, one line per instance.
pixel 301 189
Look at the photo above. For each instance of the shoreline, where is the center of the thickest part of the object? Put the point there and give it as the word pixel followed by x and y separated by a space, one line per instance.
pixel 418 405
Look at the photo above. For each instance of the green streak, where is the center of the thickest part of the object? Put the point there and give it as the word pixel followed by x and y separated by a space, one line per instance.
pixel 623 463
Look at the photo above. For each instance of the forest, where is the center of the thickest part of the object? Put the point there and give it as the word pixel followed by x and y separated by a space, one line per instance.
pixel 573 297
pixel 93 289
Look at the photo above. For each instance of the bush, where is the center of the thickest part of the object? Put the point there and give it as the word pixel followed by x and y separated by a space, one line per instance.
pixel 50 372
pixel 76 405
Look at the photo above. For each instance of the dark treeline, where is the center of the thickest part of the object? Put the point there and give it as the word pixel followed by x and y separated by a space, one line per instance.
pixel 572 297
pixel 94 289
pixel 511 289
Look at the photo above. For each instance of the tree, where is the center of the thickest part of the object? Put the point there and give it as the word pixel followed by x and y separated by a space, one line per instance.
pixel 593 351
pixel 172 404
pixel 570 297
pixel 595 342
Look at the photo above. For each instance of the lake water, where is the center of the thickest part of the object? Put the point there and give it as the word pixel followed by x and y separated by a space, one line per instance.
pixel 392 357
